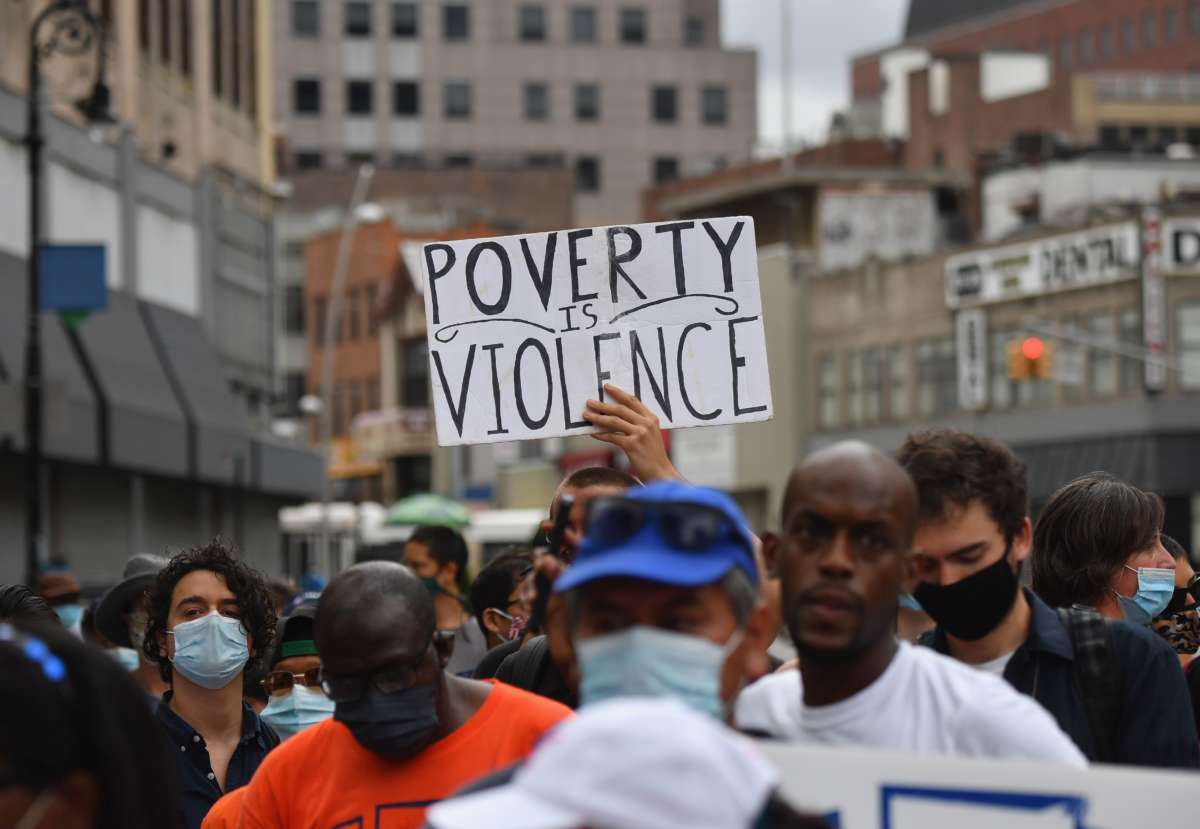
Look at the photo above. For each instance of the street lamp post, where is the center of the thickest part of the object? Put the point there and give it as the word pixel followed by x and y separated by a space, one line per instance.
pixel 69 28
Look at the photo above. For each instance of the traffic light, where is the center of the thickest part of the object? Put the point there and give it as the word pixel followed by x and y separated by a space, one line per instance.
pixel 1030 359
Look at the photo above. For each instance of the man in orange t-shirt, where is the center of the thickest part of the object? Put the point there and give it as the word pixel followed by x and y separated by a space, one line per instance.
pixel 404 733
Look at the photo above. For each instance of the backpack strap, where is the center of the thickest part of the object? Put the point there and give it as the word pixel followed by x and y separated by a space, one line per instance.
pixel 925 640
pixel 1097 676
pixel 523 668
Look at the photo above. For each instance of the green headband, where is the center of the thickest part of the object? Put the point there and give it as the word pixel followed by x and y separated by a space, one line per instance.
pixel 298 647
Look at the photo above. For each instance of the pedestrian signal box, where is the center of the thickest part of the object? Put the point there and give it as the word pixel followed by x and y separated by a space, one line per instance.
pixel 1030 359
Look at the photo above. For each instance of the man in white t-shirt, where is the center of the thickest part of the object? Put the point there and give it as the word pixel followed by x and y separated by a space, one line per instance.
pixel 849 517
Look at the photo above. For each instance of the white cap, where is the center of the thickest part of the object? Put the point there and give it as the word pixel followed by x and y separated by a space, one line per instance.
pixel 636 762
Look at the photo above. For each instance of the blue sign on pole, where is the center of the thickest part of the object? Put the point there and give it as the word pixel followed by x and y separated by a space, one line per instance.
pixel 73 277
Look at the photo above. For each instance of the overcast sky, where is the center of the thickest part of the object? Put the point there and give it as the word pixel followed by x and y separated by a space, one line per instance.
pixel 825 34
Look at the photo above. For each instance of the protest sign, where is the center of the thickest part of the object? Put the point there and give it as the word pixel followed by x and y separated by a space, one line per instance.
pixel 862 789
pixel 524 330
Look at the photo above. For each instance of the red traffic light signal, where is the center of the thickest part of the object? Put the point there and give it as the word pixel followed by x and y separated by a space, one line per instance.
pixel 1033 348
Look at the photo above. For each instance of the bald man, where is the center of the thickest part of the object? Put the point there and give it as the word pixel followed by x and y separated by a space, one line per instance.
pixel 405 733
pixel 849 517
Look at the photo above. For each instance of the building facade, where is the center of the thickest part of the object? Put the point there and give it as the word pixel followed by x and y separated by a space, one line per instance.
pixel 623 95
pixel 155 415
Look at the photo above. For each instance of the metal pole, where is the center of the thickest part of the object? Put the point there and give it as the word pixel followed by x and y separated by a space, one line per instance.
pixel 34 141
pixel 332 313
pixel 785 33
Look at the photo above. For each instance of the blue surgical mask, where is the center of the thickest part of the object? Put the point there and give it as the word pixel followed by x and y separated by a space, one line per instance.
pixel 651 662
pixel 291 713
pixel 210 651
pixel 69 614
pixel 1156 585
pixel 127 657
pixel 908 602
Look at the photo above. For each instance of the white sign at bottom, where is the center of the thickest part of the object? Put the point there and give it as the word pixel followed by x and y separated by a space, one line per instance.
pixel 860 789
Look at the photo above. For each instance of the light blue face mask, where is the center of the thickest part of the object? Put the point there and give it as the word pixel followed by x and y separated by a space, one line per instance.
pixel 292 713
pixel 651 662
pixel 1156 585
pixel 127 657
pixel 69 614
pixel 909 603
pixel 210 651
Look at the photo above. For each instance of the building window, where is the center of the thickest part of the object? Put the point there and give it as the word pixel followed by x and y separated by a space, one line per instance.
pixel 542 161
pixel 372 315
pixel 185 38
pixel 358 158
pixel 1108 44
pixel 1110 137
pixel 1194 17
pixel 1170 26
pixel 587 174
pixel 1128 36
pixel 1001 393
pixel 583 24
pixel 531 24
pixel 457 100
pixel 306 96
pixel 664 104
pixel 372 395
pixel 1130 334
pixel 1149 31
pixel 1065 53
pixel 217 27
pixel 164 31
pixel 854 412
pixel 414 373
pixel 1086 48
pixel 144 37
pixel 359 97
pixel 318 316
pixel 1188 346
pixel 456 22
pixel 306 18
pixel 293 390
pixel 633 26
pixel 666 168
pixel 460 160
pixel 537 101
pixel 1102 361
pixel 405 20
pixel 308 160
pixel 898 407
pixel 358 19
pixel 872 385
pixel 351 312
pixel 714 105
pixel 693 31
pixel 827 395
pixel 587 102
pixel 406 98
pixel 937 379
pixel 293 309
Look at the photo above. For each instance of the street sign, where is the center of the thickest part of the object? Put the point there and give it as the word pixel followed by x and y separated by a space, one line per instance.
pixel 971 330
pixel 72 278
pixel 1154 299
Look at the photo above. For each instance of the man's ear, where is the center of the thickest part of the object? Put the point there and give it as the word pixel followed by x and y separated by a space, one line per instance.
pixel 760 633
pixel 1022 543
pixel 770 553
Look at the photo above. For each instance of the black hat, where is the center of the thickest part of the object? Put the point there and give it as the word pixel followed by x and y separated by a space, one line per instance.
pixel 140 572
pixel 296 633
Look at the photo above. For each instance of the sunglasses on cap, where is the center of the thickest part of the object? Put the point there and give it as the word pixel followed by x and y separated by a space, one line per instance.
pixel 613 520
pixel 1180 595
pixel 277 682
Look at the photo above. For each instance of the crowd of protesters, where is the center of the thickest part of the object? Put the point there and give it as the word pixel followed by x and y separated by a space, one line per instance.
pixel 614 673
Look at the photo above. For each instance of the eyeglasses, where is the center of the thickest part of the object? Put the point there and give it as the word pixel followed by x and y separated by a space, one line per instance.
pixel 277 682
pixel 1179 598
pixel 695 527
pixel 389 679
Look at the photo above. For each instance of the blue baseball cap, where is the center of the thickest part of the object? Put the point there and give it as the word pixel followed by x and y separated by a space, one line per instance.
pixel 648 555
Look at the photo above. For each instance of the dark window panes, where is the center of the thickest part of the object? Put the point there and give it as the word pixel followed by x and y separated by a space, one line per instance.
pixel 693 31
pixel 405 20
pixel 531 23
pixel 1128 36
pixel 537 101
pixel 408 160
pixel 1192 136
pixel 587 102
pixel 1168 135
pixel 666 168
pixel 587 174
pixel 456 22
pixel 306 18
pixel 1108 45
pixel 357 159
pixel 583 24
pixel 308 160
pixel 714 105
pixel 1149 31
pixel 185 38
pixel 406 98
pixel 1086 48
pixel 1193 14
pixel 457 100
pixel 633 25
pixel 372 315
pixel 1170 25
pixel 306 96
pixel 164 31
pixel 664 104
pixel 543 160
pixel 1066 53
pixel 359 97
pixel 1110 137
pixel 414 373
pixel 293 309
pixel 460 160
pixel 352 316
pixel 358 19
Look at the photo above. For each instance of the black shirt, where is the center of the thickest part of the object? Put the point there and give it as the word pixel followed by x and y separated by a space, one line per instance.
pixel 1156 727
pixel 197 782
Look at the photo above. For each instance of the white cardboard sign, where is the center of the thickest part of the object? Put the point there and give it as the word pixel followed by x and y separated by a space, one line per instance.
pixel 861 789
pixel 524 330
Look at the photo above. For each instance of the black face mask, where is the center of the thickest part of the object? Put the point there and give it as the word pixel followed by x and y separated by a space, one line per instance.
pixel 972 608
pixel 396 726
